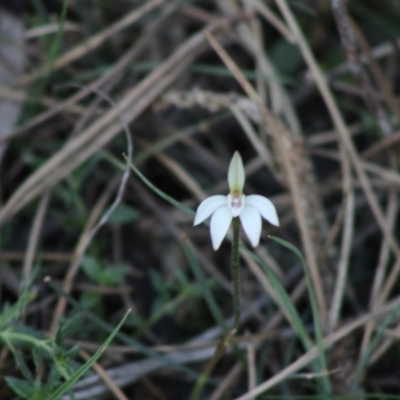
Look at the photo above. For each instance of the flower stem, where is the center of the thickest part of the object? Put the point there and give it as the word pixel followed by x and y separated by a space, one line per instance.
pixel 220 350
pixel 235 272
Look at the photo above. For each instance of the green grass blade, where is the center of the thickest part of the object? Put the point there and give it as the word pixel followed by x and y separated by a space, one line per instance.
pixel 205 290
pixel 163 195
pixel 84 368
pixel 286 303
pixel 126 339
pixel 317 323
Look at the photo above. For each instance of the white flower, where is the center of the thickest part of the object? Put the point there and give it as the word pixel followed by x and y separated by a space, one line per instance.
pixel 249 209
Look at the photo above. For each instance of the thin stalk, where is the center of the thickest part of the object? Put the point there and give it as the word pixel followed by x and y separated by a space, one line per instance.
pixel 235 273
pixel 224 342
pixel 203 378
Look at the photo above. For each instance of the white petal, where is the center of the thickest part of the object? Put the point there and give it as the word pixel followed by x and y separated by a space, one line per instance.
pixel 264 206
pixel 220 222
pixel 208 206
pixel 236 173
pixel 251 222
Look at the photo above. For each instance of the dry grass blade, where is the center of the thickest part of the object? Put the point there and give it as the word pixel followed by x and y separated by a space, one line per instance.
pixel 329 341
pixel 81 247
pixel 284 144
pixel 315 116
pixel 90 44
pixel 118 393
pixel 343 264
pixel 103 130
pixel 116 70
pixel 22 97
pixel 179 172
pixel 269 16
pixel 280 101
pixel 34 238
pixel 340 125
pixel 349 44
pixel 227 382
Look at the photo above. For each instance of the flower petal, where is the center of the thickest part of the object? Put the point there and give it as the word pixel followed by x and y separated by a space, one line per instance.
pixel 251 222
pixel 264 206
pixel 220 222
pixel 236 174
pixel 208 206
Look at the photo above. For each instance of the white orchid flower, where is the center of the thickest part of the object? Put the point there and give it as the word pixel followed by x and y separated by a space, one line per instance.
pixel 223 209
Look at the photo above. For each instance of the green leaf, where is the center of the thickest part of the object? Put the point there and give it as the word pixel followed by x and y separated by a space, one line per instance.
pixel 134 321
pixel 286 56
pixel 91 267
pixel 286 304
pixel 156 280
pixel 123 214
pixel 10 313
pixel 53 380
pixel 182 280
pixel 104 276
pixel 69 328
pixel 73 351
pixel 89 300
pixel 20 387
pixel 20 361
pixel 82 370
pixel 38 392
pixel 113 275
pixel 38 355
pixel 326 386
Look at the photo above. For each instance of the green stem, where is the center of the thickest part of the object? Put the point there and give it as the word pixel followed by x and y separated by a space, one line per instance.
pixel 203 378
pixel 220 350
pixel 235 272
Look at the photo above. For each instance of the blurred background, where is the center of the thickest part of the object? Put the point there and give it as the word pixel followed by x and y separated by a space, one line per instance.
pixel 319 137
